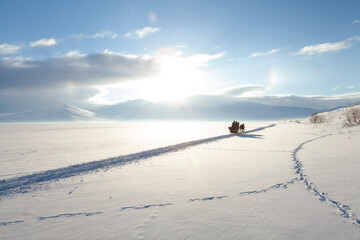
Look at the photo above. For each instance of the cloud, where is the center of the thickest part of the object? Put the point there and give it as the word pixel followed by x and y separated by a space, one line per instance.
pixel 104 34
pixel 75 69
pixel 201 60
pixel 243 90
pixel 77 36
pixel 145 31
pixel 74 54
pixel 45 42
pixel 7 49
pixel 195 60
pixel 257 54
pixel 140 33
pixel 181 46
pixel 329 47
pixel 71 77
pixel 356 21
pixel 314 102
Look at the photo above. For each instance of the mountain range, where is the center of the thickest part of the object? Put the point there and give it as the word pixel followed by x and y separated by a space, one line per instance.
pixel 202 107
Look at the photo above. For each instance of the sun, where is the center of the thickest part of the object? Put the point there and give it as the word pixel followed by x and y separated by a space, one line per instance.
pixel 179 78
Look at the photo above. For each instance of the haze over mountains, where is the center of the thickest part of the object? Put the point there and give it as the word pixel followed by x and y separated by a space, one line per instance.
pixel 201 107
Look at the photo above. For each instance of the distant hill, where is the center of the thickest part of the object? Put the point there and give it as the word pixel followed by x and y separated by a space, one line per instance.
pixel 65 113
pixel 336 118
pixel 207 107
pixel 197 110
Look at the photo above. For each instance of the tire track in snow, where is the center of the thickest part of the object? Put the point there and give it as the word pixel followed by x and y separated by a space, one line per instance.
pixel 344 209
pixel 24 183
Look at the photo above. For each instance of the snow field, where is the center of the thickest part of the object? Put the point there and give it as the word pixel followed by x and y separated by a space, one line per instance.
pixel 243 187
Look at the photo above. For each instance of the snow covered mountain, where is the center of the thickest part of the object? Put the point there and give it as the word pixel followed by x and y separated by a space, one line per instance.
pixel 209 108
pixel 62 113
pixel 201 108
pixel 69 113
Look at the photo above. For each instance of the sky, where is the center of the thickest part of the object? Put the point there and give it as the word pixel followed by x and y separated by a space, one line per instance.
pixel 105 52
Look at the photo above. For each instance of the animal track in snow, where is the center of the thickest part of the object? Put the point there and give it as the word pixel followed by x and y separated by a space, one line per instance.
pixel 10 222
pixel 206 198
pixel 72 190
pixel 70 215
pixel 145 206
pixel 344 209
pixel 279 185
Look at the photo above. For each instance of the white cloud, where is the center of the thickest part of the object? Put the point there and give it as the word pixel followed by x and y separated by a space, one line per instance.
pixel 350 87
pixel 145 31
pixel 181 46
pixel 243 90
pixel 45 42
pixel 15 62
pixel 74 54
pixel 356 21
pixel 335 88
pixel 329 47
pixel 140 33
pixel 201 59
pixel 78 36
pixel 313 102
pixel 104 34
pixel 6 49
pixel 257 54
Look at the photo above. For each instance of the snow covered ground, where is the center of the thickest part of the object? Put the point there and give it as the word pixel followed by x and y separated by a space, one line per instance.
pixel 280 180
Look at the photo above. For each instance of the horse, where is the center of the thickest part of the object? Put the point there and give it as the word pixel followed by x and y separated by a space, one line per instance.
pixel 242 127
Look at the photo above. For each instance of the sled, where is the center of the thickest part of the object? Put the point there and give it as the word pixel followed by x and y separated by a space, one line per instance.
pixel 235 127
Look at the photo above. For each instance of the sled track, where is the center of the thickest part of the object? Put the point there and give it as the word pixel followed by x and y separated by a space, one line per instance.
pixel 345 210
pixel 24 183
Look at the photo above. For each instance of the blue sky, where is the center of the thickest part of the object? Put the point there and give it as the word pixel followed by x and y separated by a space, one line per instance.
pixel 111 51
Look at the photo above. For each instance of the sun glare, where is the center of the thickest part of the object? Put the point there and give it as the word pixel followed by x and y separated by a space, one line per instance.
pixel 179 78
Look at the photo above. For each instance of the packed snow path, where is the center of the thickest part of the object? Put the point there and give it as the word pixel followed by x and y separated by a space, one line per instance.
pixel 21 184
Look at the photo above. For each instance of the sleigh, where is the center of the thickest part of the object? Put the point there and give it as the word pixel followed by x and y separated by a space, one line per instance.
pixel 235 127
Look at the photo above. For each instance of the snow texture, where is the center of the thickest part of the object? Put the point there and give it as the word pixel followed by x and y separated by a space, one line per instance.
pixel 284 180
pixel 21 184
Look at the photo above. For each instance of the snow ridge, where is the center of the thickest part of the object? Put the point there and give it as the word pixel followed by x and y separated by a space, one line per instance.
pixel 344 209
pixel 23 184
